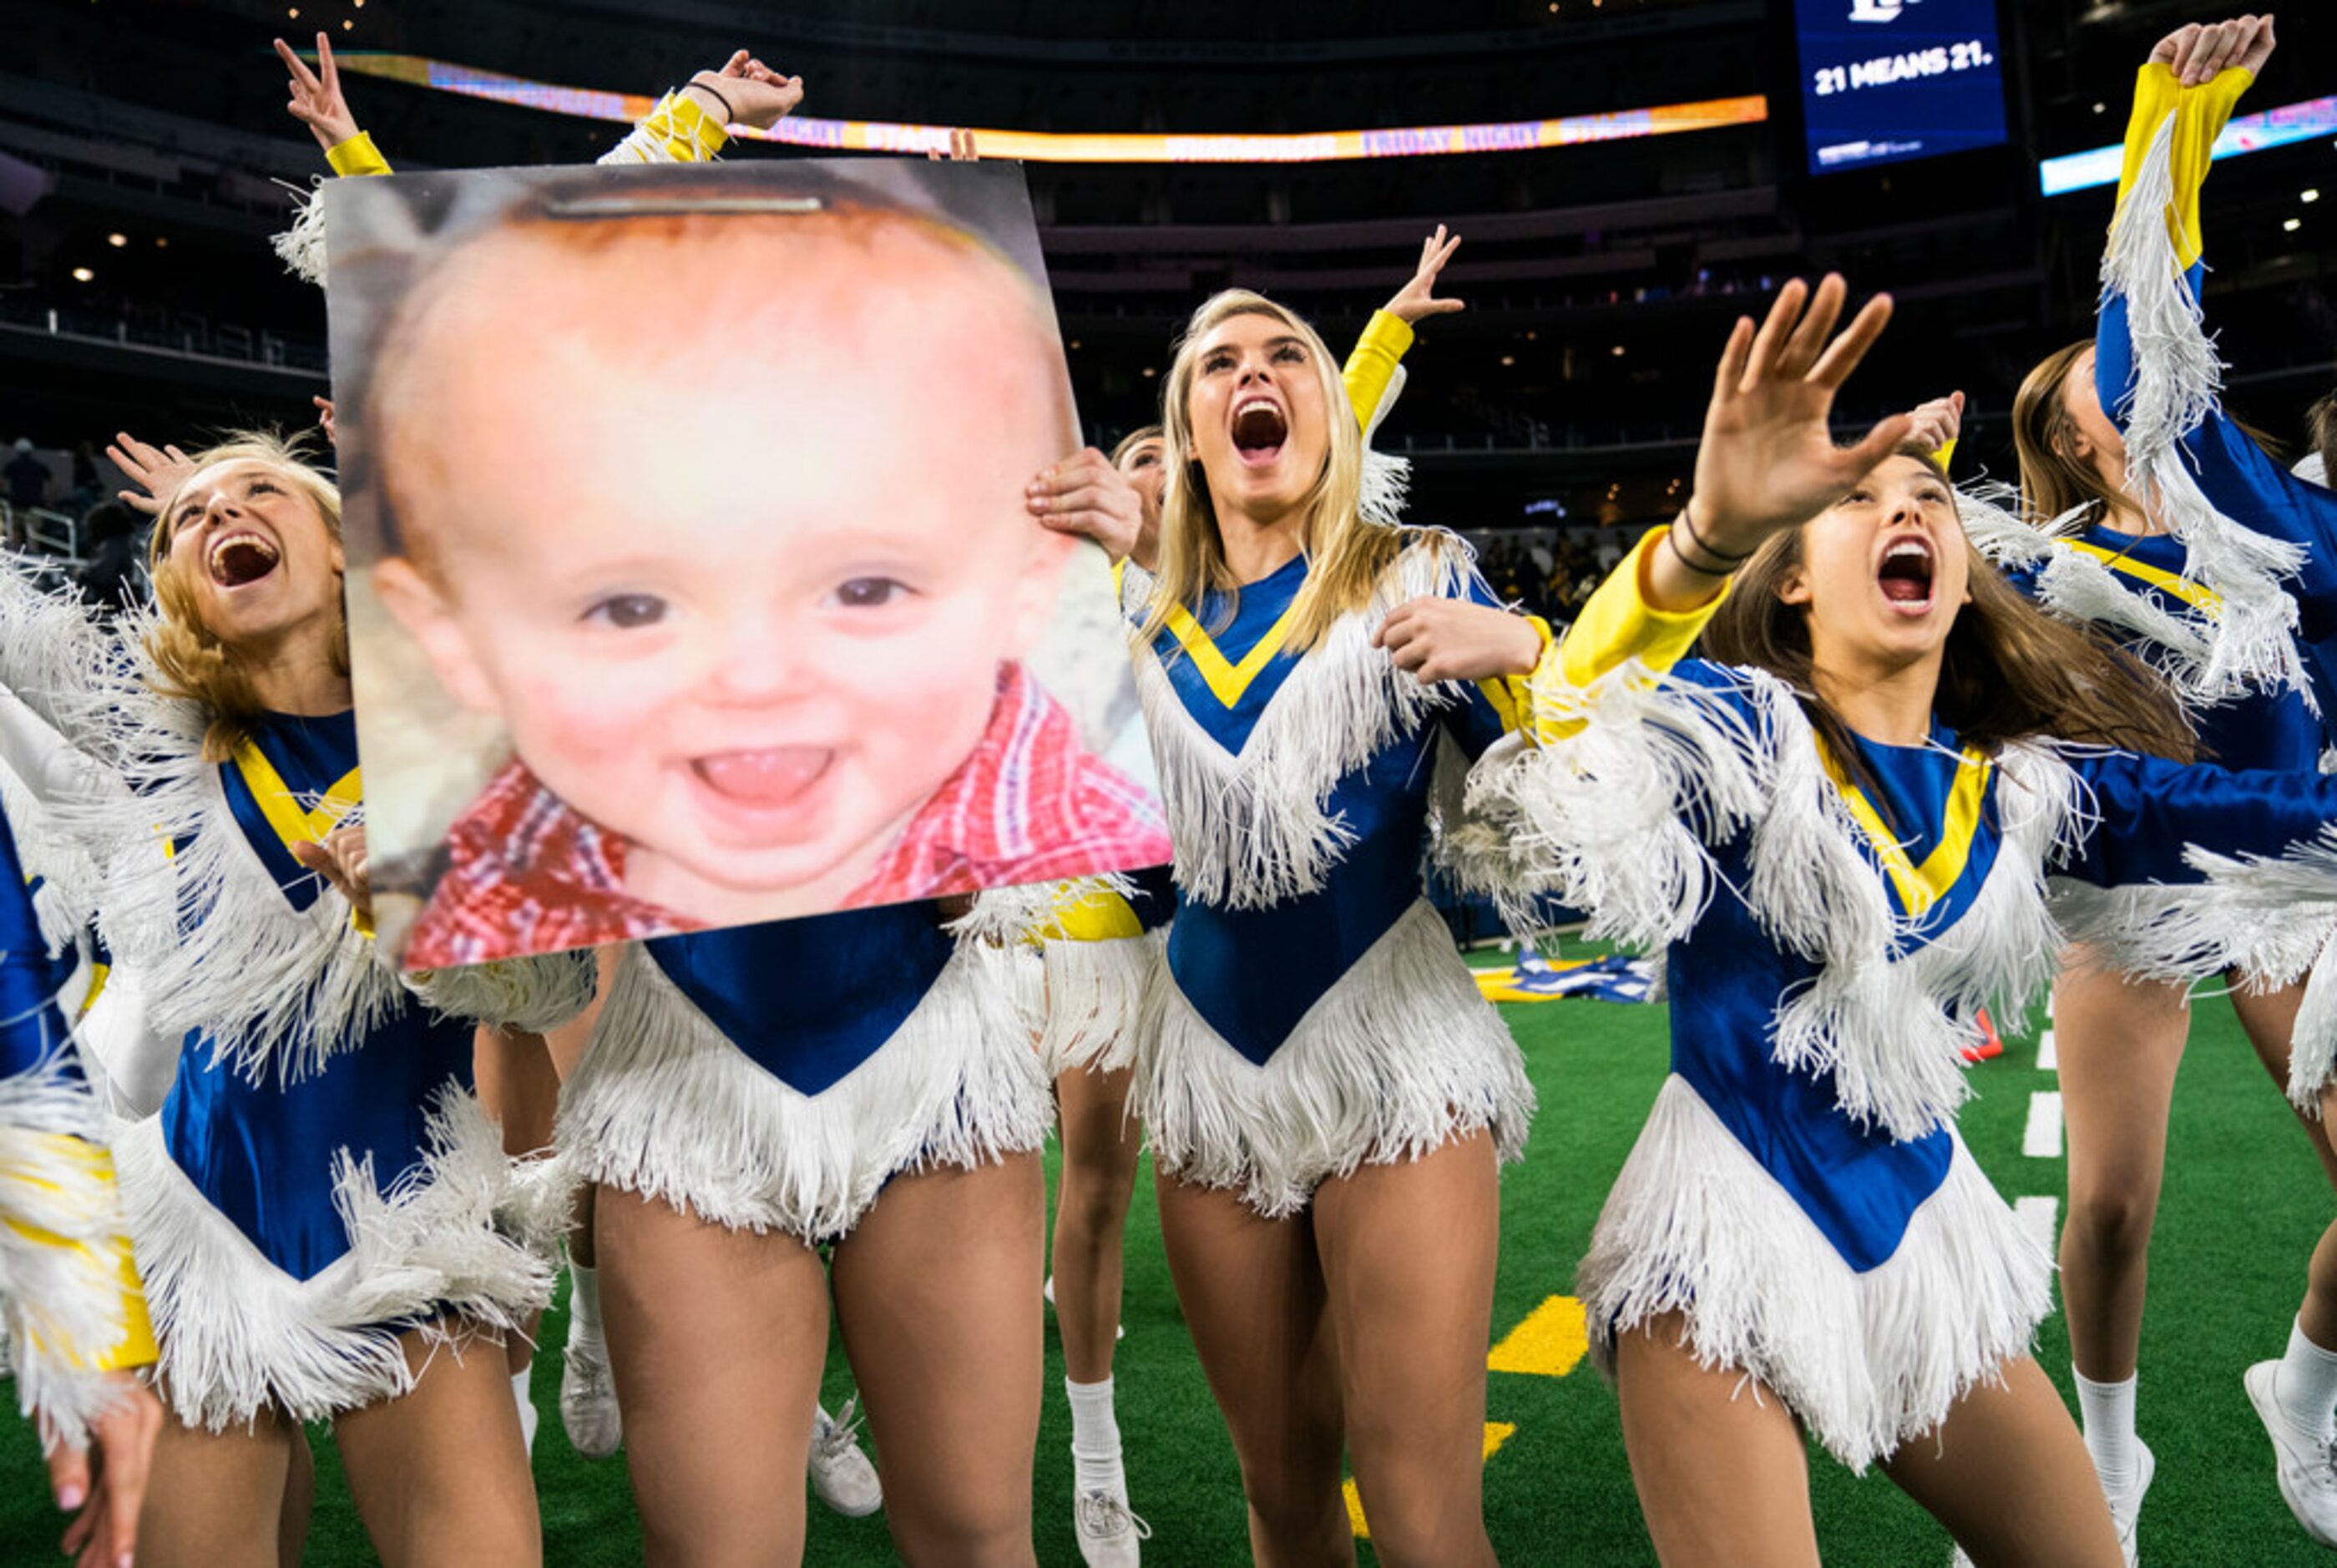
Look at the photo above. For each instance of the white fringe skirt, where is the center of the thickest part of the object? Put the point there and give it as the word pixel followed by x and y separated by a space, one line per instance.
pixel 459 1243
pixel 1868 1361
pixel 664 1105
pixel 1401 1056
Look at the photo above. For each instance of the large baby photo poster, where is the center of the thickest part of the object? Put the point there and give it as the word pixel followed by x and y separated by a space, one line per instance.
pixel 691 578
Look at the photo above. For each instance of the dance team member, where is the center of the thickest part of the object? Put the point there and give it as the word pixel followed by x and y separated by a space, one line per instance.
pixel 75 1313
pixel 1096 969
pixel 321 1210
pixel 1328 1145
pixel 686 126
pixel 1859 798
pixel 2180 522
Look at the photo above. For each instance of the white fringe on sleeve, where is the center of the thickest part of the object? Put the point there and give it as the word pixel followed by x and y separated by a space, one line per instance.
pixel 2178 376
pixel 1615 819
pixel 63 1292
pixel 301 247
pixel 439 1247
pixel 527 994
pixel 2271 917
pixel 1251 828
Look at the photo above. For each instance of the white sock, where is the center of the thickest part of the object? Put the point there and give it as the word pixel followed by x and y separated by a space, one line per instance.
pixel 2106 1410
pixel 584 1302
pixel 2306 1385
pixel 1095 1439
pixel 527 1416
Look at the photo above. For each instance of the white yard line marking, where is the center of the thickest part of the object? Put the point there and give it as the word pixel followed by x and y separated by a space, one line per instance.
pixel 2047 1060
pixel 2041 1139
pixel 2038 1216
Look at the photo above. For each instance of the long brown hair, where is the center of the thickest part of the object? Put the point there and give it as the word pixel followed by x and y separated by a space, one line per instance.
pixel 1347 553
pixel 2321 420
pixel 2053 480
pixel 190 663
pixel 2011 672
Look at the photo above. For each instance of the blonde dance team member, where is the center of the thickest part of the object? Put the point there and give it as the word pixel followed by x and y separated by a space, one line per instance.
pixel 321 1210
pixel 1328 1098
pixel 1094 986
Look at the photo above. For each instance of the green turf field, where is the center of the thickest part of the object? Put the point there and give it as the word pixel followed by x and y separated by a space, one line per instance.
pixel 2244 1205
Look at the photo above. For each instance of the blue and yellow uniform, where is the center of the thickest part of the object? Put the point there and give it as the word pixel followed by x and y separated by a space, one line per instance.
pixel 321 1176
pixel 1830 925
pixel 74 1304
pixel 1315 1015
pixel 2159 386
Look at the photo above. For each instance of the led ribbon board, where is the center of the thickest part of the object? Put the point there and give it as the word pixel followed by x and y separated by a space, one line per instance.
pixel 1887 80
pixel 1048 147
pixel 2253 133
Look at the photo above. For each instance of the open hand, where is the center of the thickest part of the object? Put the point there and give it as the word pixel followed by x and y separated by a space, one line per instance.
pixel 316 100
pixel 156 473
pixel 341 860
pixel 1417 299
pixel 2200 53
pixel 1767 461
pixel 1440 639
pixel 1086 495
pixel 104 1498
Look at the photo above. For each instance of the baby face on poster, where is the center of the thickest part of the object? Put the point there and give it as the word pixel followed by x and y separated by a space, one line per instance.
pixel 720 508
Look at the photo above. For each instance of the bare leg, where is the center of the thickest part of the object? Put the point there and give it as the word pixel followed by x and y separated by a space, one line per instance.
pixel 300 1503
pixel 934 1291
pixel 518 1088
pixel 566 1046
pixel 440 1473
pixel 2119 1044
pixel 717 1337
pixel 218 1499
pixel 1254 1296
pixel 1099 1176
pixel 2009 1477
pixel 1719 1464
pixel 2270 1020
pixel 1408 1252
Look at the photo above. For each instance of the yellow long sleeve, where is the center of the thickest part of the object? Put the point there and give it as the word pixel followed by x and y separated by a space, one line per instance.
pixel 2200 114
pixel 358 155
pixel 1618 626
pixel 1371 364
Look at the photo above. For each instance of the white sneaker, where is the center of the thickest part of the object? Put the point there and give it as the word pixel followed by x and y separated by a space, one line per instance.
pixel 2126 1507
pixel 2308 1464
pixel 2126 1512
pixel 1108 1532
pixel 587 1397
pixel 844 1477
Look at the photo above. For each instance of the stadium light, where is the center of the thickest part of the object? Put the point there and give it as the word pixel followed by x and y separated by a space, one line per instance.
pixel 2253 134
pixel 1054 147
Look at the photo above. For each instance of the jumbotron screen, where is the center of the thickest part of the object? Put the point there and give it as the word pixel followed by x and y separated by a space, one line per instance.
pixel 1888 80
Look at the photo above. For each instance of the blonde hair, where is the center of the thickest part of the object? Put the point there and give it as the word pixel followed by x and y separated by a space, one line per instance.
pixel 1346 554
pixel 192 663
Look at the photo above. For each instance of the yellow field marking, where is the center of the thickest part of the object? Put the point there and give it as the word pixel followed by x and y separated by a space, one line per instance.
pixel 1551 1341
pixel 1496 1434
